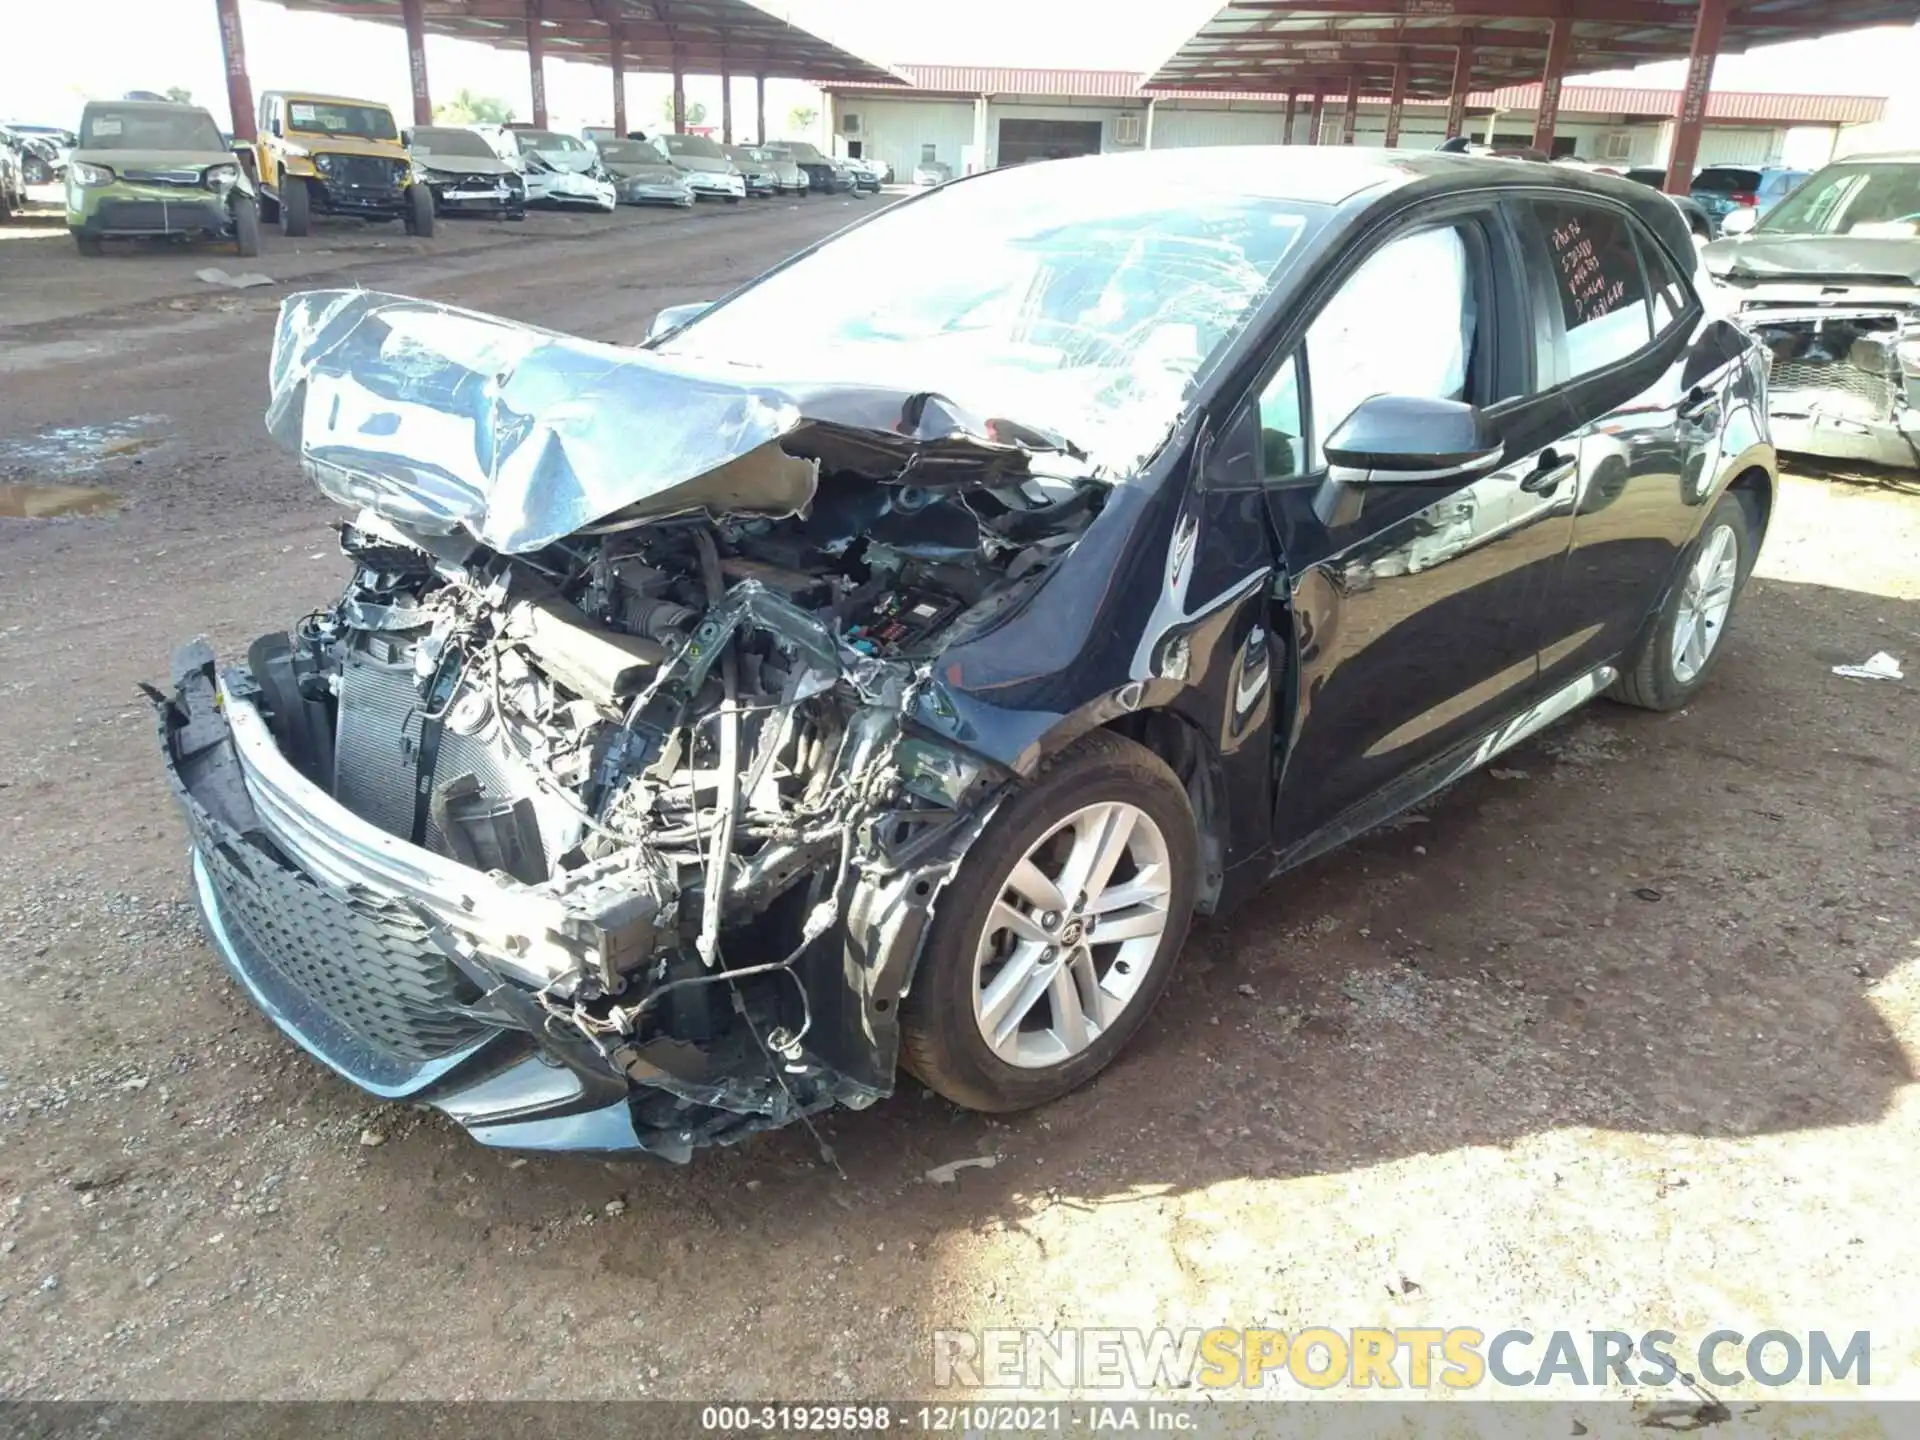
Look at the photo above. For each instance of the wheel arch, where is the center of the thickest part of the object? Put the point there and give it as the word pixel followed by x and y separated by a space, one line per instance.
pixel 1195 761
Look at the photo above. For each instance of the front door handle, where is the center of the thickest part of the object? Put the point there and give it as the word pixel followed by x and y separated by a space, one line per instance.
pixel 1547 473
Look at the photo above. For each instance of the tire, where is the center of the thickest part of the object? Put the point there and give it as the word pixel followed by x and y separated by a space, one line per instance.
pixel 89 244
pixel 941 1038
pixel 246 226
pixel 419 217
pixel 296 212
pixel 1654 677
pixel 733 199
pixel 516 215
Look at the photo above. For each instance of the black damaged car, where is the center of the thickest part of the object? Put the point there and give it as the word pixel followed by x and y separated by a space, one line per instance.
pixel 712 728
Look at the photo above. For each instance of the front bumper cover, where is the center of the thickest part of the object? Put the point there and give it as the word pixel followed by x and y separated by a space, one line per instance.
pixel 420 979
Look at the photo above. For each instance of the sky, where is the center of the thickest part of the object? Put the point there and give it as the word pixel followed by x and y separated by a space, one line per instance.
pixel 82 49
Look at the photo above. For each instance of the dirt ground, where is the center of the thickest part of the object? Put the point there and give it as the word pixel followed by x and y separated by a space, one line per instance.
pixel 1622 1034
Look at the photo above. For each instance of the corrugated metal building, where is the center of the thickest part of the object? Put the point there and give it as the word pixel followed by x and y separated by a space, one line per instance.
pixel 975 117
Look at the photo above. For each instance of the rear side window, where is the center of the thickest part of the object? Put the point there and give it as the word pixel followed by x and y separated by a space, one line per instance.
pixel 1670 294
pixel 1600 289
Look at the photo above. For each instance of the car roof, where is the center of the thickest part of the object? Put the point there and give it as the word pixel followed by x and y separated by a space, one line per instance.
pixel 152 106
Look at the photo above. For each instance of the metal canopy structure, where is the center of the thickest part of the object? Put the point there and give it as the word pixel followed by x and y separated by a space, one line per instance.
pixel 1281 45
pixel 703 35
pixel 723 37
pixel 1443 49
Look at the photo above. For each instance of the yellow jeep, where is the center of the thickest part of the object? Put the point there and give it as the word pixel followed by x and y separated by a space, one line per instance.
pixel 325 155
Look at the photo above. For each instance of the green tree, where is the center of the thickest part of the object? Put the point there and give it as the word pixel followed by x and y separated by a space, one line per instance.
pixel 800 119
pixel 467 108
pixel 179 95
pixel 696 112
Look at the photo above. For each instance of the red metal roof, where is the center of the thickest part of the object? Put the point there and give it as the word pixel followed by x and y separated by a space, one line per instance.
pixel 1748 105
pixel 1752 105
pixel 1299 44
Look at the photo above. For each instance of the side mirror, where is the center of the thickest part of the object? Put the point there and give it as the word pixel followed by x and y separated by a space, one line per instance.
pixel 676 317
pixel 1401 440
pixel 1739 222
pixel 1408 439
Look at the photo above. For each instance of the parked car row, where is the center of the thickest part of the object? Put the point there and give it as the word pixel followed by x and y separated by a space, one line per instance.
pixel 148 168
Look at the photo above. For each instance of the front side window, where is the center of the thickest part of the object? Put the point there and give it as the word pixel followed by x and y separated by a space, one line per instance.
pixel 1405 323
pixel 1597 282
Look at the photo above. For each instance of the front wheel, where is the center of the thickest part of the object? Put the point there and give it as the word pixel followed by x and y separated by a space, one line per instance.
pixel 1057 933
pixel 1679 651
pixel 88 244
pixel 419 216
pixel 295 208
pixel 246 226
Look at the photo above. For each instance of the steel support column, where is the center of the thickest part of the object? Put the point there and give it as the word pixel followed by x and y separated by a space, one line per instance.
pixel 537 63
pixel 1396 104
pixel 1314 119
pixel 1457 96
pixel 679 95
pixel 1286 133
pixel 239 87
pixel 760 108
pixel 1146 127
pixel 413 15
pixel 1350 120
pixel 726 100
pixel 617 57
pixel 1548 115
pixel 1692 114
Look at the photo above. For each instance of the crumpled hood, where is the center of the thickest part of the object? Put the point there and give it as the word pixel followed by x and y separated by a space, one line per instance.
pixel 464 164
pixel 1855 258
pixel 657 172
pixel 442 419
pixel 568 162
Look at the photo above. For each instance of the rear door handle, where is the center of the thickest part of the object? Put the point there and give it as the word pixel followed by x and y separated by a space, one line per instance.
pixel 1547 473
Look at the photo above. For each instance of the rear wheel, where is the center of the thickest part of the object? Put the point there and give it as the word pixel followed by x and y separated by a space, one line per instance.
pixel 295 209
pixel 419 216
pixel 246 226
pixel 1680 650
pixel 1057 933
pixel 88 244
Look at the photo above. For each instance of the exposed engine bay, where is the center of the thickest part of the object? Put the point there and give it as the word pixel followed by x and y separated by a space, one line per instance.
pixel 711 716
pixel 623 750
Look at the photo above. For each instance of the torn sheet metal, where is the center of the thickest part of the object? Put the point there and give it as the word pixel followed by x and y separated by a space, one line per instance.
pixel 439 418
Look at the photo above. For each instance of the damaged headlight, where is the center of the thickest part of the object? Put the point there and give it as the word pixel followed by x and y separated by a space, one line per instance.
pixel 87 175
pixel 1909 352
pixel 222 177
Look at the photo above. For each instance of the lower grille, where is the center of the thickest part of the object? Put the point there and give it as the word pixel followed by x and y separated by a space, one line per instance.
pixel 364 961
pixel 363 172
pixel 1871 394
pixel 158 215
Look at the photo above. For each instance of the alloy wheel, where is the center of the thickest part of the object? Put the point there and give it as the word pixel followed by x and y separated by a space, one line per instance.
pixel 1705 598
pixel 1072 935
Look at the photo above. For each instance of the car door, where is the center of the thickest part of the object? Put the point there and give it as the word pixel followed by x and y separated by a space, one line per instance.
pixel 1414 607
pixel 1640 372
